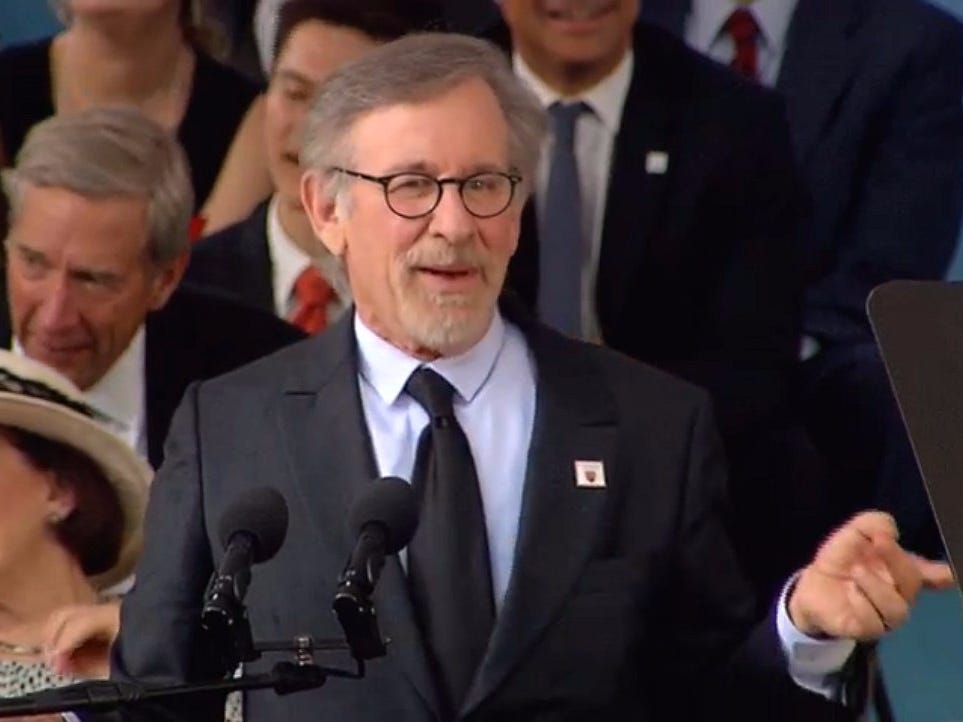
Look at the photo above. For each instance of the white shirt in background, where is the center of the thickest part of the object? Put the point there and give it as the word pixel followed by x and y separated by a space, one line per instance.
pixel 595 134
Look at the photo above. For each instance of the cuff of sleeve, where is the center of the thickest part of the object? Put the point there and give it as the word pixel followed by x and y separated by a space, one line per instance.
pixel 814 664
pixel 808 347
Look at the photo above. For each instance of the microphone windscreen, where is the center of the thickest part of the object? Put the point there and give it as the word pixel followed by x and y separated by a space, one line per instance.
pixel 260 512
pixel 390 502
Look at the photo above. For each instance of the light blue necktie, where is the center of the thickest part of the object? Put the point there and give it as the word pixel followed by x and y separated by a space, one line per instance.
pixel 561 252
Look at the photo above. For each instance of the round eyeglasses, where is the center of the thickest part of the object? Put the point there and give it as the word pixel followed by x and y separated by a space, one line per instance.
pixel 415 195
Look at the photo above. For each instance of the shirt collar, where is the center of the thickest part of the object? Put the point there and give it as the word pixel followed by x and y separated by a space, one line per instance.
pixel 773 17
pixel 606 98
pixel 387 368
pixel 287 260
pixel 119 394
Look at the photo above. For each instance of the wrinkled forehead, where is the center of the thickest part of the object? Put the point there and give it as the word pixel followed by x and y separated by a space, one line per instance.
pixel 56 221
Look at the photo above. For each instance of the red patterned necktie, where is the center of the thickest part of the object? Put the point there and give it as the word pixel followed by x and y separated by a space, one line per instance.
pixel 196 229
pixel 312 294
pixel 744 30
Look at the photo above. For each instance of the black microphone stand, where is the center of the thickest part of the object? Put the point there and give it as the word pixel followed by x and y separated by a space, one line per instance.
pixel 285 677
pixel 352 602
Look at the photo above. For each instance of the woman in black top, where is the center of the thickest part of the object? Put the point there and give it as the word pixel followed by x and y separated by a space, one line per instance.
pixel 146 53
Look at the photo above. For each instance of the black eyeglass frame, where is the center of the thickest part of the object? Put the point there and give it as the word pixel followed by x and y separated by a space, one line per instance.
pixel 385 180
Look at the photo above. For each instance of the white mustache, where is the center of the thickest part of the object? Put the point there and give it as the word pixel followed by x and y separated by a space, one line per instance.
pixel 443 256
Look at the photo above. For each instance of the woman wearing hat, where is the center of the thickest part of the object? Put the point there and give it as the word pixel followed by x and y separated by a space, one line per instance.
pixel 72 497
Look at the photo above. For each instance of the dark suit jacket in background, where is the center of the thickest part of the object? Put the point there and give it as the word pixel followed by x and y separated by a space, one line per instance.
pixel 873 90
pixel 698 271
pixel 195 336
pixel 236 261
pixel 623 601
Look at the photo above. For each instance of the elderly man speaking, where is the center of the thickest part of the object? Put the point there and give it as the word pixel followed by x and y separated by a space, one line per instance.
pixel 571 560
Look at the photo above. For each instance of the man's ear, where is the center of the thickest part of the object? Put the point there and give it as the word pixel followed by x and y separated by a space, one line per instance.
pixel 166 278
pixel 324 212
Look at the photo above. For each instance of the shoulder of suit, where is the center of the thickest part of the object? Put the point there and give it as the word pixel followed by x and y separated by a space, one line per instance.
pixel 214 318
pixel 284 368
pixel 227 239
pixel 630 382
pixel 700 79
pixel 888 27
pixel 916 12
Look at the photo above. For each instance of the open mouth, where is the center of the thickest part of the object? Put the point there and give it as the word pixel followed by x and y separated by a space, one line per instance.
pixel 448 279
pixel 448 273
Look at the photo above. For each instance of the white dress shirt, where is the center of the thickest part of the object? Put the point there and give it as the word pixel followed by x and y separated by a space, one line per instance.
pixel 495 405
pixel 265 26
pixel 595 134
pixel 287 263
pixel 704 32
pixel 495 385
pixel 121 394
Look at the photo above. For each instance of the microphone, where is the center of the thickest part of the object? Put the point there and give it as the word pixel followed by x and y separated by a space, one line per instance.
pixel 251 531
pixel 383 520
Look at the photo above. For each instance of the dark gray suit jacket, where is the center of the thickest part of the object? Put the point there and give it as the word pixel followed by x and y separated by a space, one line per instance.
pixel 872 90
pixel 236 261
pixel 622 600
pixel 195 336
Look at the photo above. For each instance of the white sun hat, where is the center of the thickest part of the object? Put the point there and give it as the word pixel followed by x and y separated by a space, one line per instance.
pixel 37 399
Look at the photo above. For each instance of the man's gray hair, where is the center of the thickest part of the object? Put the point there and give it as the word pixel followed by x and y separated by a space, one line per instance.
pixel 108 152
pixel 412 69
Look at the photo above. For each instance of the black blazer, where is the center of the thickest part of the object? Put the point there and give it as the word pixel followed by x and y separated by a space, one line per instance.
pixel 235 261
pixel 195 336
pixel 623 601
pixel 873 92
pixel 698 271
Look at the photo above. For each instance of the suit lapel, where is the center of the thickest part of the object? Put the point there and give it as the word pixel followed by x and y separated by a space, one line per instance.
pixel 167 372
pixel 573 421
pixel 6 325
pixel 820 60
pixel 668 14
pixel 631 215
pixel 256 261
pixel 323 430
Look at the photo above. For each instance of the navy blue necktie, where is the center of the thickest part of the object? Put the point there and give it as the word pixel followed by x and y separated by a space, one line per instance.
pixel 449 570
pixel 561 250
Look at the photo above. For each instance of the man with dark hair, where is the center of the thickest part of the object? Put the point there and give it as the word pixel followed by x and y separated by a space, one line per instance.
pixel 272 260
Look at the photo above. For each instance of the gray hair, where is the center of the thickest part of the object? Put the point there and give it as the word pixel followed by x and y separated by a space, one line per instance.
pixel 107 152
pixel 412 69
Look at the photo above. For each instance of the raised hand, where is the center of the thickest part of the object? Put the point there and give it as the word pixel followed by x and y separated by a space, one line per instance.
pixel 861 583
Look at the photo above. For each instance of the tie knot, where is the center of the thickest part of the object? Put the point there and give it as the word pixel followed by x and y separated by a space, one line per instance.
pixel 742 25
pixel 564 116
pixel 432 391
pixel 310 289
